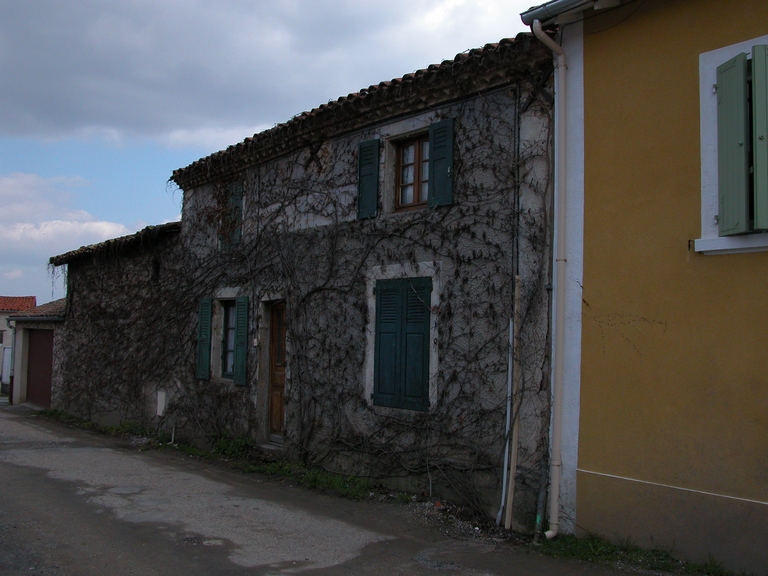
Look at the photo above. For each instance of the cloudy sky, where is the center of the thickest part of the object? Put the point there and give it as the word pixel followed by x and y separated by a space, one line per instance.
pixel 101 100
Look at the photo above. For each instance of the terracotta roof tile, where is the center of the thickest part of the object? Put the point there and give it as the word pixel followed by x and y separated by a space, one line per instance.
pixel 53 309
pixel 521 59
pixel 17 303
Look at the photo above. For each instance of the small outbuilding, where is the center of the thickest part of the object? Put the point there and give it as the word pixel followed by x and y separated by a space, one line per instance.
pixel 34 364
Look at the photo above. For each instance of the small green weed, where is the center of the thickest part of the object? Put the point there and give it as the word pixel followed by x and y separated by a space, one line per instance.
pixel 347 486
pixel 317 478
pixel 713 568
pixel 234 447
pixel 277 468
pixel 193 450
pixel 127 429
pixel 64 418
pixel 592 548
pixel 403 498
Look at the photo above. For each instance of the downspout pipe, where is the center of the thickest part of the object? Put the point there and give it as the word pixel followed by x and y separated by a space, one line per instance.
pixel 13 360
pixel 556 464
pixel 508 425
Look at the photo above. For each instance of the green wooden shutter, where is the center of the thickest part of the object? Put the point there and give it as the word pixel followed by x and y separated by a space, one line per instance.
pixel 732 146
pixel 236 213
pixel 204 339
pixel 760 135
pixel 386 362
pixel 368 179
pixel 415 343
pixel 441 163
pixel 241 340
pixel 401 357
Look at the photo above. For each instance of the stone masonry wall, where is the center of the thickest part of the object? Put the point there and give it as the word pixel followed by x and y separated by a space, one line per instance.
pixel 131 329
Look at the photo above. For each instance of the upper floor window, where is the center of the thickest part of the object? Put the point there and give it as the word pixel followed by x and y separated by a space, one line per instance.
pixel 733 103
pixel 228 338
pixel 413 173
pixel 423 171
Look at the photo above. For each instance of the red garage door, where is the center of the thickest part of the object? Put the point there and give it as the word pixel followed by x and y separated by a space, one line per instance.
pixel 40 367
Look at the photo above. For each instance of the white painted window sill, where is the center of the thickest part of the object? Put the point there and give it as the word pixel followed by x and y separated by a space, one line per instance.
pixel 732 244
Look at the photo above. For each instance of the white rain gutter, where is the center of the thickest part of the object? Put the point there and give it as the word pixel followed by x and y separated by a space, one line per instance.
pixel 564 11
pixel 556 464
pixel 557 8
pixel 509 423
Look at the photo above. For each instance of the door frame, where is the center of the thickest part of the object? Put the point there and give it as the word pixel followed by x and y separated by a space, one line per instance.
pixel 277 362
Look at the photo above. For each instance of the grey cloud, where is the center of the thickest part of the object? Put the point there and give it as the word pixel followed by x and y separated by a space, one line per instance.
pixel 146 67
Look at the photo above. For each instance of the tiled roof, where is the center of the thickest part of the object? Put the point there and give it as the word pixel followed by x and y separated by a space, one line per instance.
pixel 16 303
pixel 141 238
pixel 55 309
pixel 522 59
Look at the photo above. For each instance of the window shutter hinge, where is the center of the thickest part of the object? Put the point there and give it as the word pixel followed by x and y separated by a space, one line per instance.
pixel 714 88
pixel 717 218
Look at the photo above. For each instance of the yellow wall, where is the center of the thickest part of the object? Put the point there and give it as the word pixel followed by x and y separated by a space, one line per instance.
pixel 674 384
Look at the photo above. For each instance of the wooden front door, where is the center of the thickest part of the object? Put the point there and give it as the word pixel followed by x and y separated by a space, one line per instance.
pixel 40 367
pixel 277 369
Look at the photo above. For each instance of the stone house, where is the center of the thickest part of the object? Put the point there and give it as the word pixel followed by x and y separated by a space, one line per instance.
pixel 341 287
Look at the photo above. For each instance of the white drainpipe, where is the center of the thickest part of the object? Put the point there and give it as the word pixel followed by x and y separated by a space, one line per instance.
pixel 560 277
pixel 506 431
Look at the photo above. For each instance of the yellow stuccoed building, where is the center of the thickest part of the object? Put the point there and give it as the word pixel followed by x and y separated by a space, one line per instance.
pixel 663 147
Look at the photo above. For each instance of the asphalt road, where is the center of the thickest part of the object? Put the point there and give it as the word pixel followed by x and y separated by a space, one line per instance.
pixel 76 503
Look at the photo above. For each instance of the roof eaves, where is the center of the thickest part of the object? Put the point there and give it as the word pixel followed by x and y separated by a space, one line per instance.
pixel 147 234
pixel 36 318
pixel 50 312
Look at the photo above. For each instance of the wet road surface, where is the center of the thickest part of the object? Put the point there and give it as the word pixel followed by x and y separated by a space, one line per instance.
pixel 77 503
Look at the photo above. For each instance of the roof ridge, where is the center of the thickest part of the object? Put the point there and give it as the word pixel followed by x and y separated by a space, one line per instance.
pixel 147 233
pixel 364 107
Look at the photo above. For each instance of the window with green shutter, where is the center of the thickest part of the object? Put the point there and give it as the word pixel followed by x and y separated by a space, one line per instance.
pixel 229 320
pixel 228 338
pixel 742 143
pixel 368 179
pixel 441 163
pixel 401 356
pixel 241 340
pixel 423 171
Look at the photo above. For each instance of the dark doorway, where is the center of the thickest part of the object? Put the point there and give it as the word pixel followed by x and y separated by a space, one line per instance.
pixel 40 367
pixel 277 369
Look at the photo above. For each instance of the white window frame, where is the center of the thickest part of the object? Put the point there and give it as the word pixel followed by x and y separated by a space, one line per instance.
pixel 711 242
